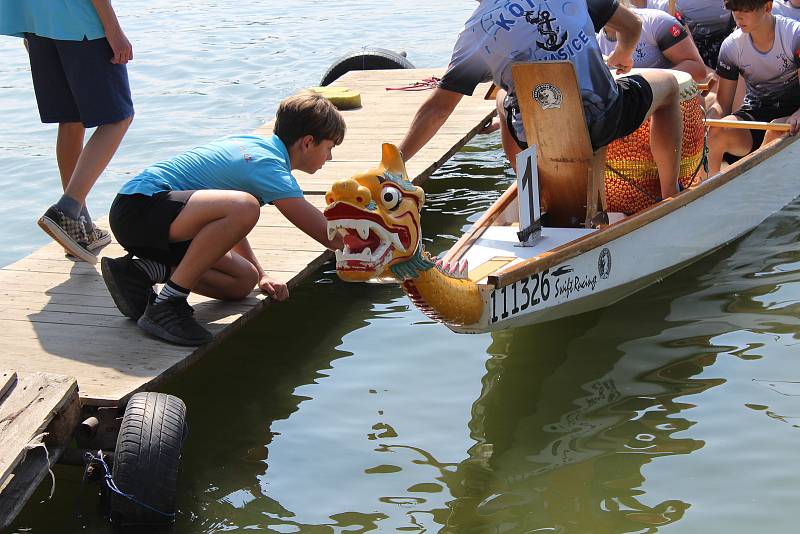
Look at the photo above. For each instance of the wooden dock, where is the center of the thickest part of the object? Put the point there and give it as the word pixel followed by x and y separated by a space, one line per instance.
pixel 58 317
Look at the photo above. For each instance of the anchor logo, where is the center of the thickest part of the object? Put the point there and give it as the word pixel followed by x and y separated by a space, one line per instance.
pixel 544 22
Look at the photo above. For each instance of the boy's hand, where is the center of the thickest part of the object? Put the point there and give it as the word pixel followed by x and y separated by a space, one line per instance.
pixel 273 288
pixel 122 48
pixel 621 61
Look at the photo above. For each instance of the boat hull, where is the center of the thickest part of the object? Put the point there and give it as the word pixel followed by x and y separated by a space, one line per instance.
pixel 607 270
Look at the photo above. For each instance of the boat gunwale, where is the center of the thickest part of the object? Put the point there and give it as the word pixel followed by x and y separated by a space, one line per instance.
pixel 514 273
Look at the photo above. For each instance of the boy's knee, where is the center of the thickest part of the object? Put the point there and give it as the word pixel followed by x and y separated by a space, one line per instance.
pixel 246 209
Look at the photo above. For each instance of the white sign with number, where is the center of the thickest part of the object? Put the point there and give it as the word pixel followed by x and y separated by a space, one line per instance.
pixel 528 188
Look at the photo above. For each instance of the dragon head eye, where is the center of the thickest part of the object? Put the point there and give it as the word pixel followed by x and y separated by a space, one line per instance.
pixel 390 197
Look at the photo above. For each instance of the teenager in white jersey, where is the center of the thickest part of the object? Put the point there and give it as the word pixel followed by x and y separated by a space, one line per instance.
pixel 764 51
pixel 787 8
pixel 664 44
pixel 708 22
pixel 502 32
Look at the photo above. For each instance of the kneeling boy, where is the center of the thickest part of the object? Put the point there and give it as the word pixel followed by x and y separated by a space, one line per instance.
pixel 186 218
pixel 764 51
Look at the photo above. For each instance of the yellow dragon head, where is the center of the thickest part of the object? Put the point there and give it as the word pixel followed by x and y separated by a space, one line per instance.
pixel 378 213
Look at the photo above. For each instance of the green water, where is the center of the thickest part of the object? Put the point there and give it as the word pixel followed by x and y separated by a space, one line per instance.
pixel 346 410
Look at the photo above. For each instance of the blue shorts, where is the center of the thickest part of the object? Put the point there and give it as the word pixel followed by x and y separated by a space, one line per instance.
pixel 75 81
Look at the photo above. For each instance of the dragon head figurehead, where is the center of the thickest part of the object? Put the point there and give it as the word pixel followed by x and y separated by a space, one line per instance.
pixel 378 214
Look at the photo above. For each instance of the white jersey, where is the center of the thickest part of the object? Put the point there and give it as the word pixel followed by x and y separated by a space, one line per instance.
pixel 784 8
pixel 770 77
pixel 502 32
pixel 660 31
pixel 703 17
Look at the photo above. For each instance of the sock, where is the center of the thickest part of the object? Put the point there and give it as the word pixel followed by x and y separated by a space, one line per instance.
pixel 69 206
pixel 171 290
pixel 157 271
pixel 88 219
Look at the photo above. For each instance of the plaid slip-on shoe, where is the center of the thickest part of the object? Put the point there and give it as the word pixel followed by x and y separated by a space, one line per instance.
pixel 68 232
pixel 98 238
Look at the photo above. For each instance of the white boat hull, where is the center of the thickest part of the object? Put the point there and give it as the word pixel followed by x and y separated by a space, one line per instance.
pixel 605 273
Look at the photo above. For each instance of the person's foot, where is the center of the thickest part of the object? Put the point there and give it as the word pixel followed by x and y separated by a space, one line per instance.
pixel 172 321
pixel 68 232
pixel 129 286
pixel 98 238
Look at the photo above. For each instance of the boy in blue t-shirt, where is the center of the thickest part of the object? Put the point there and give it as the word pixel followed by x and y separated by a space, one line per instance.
pixel 186 219
pixel 78 54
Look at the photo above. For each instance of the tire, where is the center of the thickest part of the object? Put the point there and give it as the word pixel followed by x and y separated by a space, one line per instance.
pixel 146 459
pixel 365 59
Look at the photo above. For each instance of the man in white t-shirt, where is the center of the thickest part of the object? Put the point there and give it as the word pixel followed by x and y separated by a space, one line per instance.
pixel 502 32
pixel 664 44
pixel 765 51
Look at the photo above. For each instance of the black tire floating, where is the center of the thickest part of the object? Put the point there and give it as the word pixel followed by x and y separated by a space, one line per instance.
pixel 365 59
pixel 146 459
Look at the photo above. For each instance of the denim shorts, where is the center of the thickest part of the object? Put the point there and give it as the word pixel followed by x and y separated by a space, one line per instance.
pixel 75 81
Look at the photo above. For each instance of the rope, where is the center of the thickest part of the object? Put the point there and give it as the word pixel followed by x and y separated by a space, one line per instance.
pixel 112 486
pixel 424 85
pixel 35 443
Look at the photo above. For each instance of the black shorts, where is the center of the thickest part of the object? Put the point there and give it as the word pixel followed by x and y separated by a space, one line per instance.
pixel 626 114
pixel 75 81
pixel 141 225
pixel 749 112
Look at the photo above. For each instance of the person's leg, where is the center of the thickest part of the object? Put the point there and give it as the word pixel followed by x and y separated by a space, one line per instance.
pixel 213 222
pixel 69 144
pixel 721 141
pixel 666 129
pixel 94 158
pixel 510 145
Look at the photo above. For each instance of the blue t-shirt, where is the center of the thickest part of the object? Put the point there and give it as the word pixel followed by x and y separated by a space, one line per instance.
pixel 67 20
pixel 250 163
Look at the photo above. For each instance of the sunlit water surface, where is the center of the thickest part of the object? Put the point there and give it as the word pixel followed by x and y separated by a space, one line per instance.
pixel 346 410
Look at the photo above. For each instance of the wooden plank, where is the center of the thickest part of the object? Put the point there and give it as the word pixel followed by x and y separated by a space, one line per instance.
pixel 20 485
pixel 552 112
pixel 27 410
pixel 7 380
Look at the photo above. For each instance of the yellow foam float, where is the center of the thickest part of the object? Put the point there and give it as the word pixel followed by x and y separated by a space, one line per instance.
pixel 341 97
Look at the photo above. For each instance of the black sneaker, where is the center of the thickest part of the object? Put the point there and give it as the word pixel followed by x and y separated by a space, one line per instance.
pixel 70 233
pixel 129 286
pixel 172 320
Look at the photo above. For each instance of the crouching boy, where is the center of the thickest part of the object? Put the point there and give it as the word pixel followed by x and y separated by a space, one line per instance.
pixel 184 221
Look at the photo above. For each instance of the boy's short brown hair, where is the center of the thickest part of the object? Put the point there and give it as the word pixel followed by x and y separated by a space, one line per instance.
pixel 308 113
pixel 745 5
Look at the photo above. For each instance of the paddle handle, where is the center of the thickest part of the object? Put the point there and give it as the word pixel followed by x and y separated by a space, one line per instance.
pixel 750 125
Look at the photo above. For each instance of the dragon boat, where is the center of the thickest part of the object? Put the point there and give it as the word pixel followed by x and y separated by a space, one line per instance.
pixel 546 248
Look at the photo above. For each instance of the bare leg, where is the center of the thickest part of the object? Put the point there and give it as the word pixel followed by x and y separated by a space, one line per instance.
pixel 95 157
pixel 69 145
pixel 231 278
pixel 215 221
pixel 727 140
pixel 666 129
pixel 510 146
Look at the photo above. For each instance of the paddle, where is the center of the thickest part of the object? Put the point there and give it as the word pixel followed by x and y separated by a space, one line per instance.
pixel 750 125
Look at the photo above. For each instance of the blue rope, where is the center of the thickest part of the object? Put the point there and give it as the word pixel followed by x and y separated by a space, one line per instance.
pixel 112 486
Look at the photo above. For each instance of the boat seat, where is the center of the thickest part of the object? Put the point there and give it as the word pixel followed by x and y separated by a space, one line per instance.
pixel 571 174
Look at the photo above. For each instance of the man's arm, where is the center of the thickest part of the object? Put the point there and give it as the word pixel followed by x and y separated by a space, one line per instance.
pixel 685 57
pixel 123 51
pixel 309 220
pixel 629 29
pixel 431 115
pixel 724 100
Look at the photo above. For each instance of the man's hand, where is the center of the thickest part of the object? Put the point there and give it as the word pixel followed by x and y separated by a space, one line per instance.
pixel 273 288
pixel 621 61
pixel 794 122
pixel 122 48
